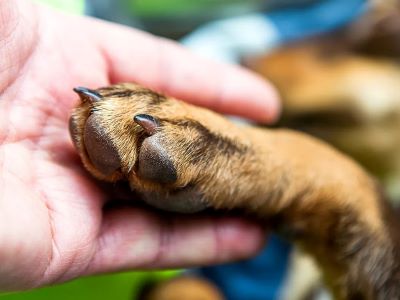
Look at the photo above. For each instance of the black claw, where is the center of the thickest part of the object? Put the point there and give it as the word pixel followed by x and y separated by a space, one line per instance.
pixel 147 122
pixel 87 94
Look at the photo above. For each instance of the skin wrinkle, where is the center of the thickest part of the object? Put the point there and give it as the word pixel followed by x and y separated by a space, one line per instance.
pixel 167 231
pixel 99 246
pixel 11 103
pixel 66 274
pixel 49 113
pixel 104 241
pixel 165 239
pixel 3 120
pixel 3 92
pixel 8 32
pixel 217 236
pixel 2 190
pixel 54 248
pixel 19 178
pixel 57 255
pixel 23 61
pixel 54 252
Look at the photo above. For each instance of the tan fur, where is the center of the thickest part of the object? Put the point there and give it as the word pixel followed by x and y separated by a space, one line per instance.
pixel 311 79
pixel 302 187
pixel 184 288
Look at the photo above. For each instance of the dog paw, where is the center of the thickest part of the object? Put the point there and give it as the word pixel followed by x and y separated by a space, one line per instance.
pixel 179 157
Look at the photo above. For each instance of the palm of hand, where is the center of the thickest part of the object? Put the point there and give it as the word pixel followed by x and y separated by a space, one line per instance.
pixel 48 201
pixel 56 227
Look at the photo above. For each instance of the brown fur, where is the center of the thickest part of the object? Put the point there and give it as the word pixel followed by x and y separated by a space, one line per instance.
pixel 303 188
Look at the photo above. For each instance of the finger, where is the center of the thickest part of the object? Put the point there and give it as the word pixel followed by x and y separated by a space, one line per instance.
pixel 134 238
pixel 167 67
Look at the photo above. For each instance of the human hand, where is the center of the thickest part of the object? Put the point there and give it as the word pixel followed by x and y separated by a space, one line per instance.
pixel 53 224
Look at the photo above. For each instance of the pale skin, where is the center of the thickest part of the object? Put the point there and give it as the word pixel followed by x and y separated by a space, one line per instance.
pixel 53 226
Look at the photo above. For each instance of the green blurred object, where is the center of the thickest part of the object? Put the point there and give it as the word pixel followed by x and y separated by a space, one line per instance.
pixel 124 286
pixel 71 6
pixel 178 7
pixel 170 18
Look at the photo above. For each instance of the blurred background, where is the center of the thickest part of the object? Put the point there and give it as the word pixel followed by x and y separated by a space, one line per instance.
pixel 335 64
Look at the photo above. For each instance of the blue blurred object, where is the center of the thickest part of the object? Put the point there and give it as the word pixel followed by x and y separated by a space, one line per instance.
pixel 232 38
pixel 259 278
pixel 302 21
